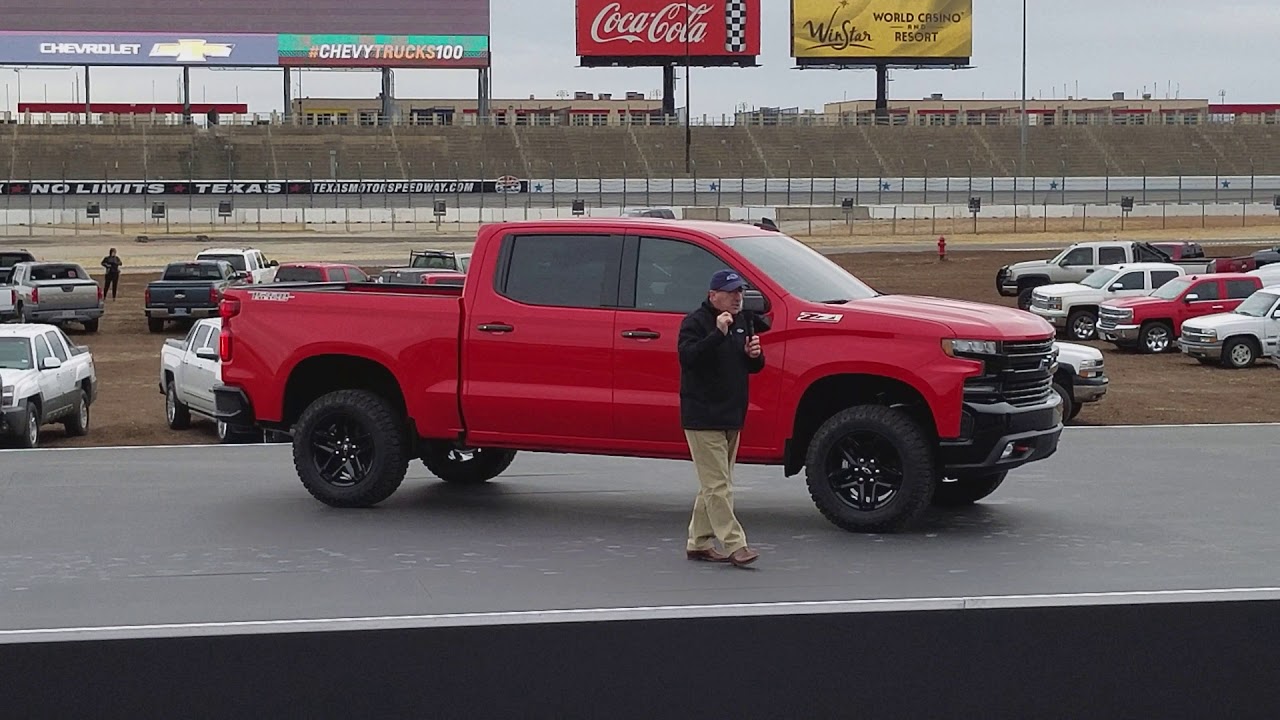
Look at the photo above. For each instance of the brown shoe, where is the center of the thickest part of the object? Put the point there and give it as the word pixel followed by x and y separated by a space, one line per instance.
pixel 708 555
pixel 743 556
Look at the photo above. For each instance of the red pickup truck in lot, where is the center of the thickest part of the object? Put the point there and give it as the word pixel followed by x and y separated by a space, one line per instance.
pixel 563 339
pixel 1152 323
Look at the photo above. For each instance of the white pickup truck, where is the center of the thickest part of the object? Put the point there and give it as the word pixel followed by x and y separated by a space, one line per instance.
pixel 189 368
pixel 1081 377
pixel 8 303
pixel 1074 306
pixel 44 378
pixel 1238 338
pixel 251 261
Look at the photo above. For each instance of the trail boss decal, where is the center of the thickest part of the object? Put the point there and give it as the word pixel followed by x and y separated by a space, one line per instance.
pixel 817 317
pixel 270 295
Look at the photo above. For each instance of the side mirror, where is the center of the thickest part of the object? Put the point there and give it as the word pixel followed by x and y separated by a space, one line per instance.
pixel 207 353
pixel 754 302
pixel 1191 297
pixel 1116 286
pixel 274 263
pixel 50 363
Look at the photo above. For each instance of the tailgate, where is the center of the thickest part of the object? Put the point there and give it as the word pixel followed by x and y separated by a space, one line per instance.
pixel 180 295
pixel 67 294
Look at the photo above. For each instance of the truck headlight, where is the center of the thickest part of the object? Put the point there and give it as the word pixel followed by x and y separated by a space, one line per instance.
pixel 1054 303
pixel 6 395
pixel 956 348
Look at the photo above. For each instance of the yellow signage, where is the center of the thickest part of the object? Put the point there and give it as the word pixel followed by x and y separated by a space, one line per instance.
pixel 863 29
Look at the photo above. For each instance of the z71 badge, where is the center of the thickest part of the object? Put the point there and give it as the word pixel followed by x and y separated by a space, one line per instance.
pixel 817 317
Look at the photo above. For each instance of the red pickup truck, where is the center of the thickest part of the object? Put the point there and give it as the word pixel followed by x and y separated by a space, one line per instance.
pixel 563 340
pixel 1153 322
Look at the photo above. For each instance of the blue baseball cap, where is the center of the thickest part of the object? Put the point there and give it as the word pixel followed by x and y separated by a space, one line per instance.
pixel 727 281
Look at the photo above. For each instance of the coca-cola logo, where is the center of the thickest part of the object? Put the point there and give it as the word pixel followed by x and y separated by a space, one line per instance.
pixel 667 25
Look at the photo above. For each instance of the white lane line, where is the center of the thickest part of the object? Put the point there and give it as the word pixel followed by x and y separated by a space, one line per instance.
pixel 660 612
pixel 1072 428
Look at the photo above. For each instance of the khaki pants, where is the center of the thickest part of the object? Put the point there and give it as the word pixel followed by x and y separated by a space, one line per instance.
pixel 714 454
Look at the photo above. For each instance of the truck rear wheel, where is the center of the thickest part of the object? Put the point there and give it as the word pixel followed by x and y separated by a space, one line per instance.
pixel 967 489
pixel 349 449
pixel 155 325
pixel 870 468
pixel 466 466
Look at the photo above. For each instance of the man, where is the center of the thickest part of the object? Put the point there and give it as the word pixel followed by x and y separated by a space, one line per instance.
pixel 718 352
pixel 112 263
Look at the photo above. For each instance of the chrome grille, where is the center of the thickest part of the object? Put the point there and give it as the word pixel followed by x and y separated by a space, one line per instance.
pixel 1111 317
pixel 1193 335
pixel 1040 301
pixel 1020 375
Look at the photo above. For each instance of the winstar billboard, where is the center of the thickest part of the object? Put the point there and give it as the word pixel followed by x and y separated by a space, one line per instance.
pixel 661 32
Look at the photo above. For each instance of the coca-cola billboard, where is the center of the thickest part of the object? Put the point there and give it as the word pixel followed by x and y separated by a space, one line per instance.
pixel 657 32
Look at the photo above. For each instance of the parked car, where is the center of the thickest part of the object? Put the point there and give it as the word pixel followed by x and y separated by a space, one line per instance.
pixel 9 258
pixel 44 378
pixel 1080 260
pixel 319 272
pixel 1238 338
pixel 57 293
pixel 410 276
pixel 439 260
pixel 1073 307
pixel 189 368
pixel 1153 323
pixel 244 259
pixel 1267 257
pixel 1269 274
pixel 568 344
pixel 1081 377
pixel 188 290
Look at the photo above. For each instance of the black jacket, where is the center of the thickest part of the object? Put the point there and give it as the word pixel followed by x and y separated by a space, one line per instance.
pixel 714 370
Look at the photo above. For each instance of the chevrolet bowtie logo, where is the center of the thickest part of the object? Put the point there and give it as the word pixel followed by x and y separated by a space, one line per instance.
pixel 191 50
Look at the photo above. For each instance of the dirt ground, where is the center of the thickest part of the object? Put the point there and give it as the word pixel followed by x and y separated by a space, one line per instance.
pixel 1144 389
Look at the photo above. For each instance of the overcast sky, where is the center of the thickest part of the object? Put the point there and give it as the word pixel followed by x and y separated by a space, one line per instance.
pixel 1086 47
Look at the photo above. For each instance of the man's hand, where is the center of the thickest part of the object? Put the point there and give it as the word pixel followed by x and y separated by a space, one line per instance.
pixel 724 321
pixel 753 347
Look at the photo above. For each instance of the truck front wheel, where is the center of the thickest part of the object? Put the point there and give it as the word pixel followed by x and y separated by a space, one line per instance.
pixel 967 489
pixel 466 466
pixel 870 468
pixel 350 449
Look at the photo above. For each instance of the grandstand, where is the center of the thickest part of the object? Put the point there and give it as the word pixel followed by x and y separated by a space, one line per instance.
pixel 141 151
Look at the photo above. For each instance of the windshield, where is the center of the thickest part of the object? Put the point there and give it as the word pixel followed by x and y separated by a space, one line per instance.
pixel 1257 304
pixel 9 259
pixel 237 261
pixel 800 270
pixel 433 261
pixel 193 271
pixel 1171 289
pixel 15 354
pixel 1100 279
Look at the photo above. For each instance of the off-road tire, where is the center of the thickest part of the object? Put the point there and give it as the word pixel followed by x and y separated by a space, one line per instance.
pixel 914 453
pixel 77 424
pixel 388 444
pixel 486 464
pixel 180 419
pixel 967 489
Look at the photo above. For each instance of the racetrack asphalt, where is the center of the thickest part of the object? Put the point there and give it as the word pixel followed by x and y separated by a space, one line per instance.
pixel 105 537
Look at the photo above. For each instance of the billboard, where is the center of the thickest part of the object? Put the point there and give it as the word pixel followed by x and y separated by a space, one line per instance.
pixel 663 32
pixel 415 51
pixel 137 49
pixel 266 17
pixel 870 32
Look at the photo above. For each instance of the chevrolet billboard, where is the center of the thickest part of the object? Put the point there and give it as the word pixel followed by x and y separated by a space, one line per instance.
pixel 408 51
pixel 137 49
pixel 866 32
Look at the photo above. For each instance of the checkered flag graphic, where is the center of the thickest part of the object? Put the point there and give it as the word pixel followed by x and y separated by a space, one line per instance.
pixel 735 26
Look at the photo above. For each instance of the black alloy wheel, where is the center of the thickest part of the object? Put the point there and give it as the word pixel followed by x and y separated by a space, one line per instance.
pixel 349 449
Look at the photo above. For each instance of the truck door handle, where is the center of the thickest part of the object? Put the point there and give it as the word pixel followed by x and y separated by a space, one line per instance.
pixel 1217 307
pixel 641 334
pixel 495 328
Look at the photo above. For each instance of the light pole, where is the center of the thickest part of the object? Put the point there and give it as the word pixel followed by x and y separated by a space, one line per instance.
pixel 1022 146
pixel 688 111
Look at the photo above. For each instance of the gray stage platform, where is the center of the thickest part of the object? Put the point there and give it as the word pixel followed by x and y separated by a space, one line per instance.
pixel 113 537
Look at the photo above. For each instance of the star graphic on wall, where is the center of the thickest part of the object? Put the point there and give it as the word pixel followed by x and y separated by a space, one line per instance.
pixel 1053 185
pixel 295 188
pixel 537 187
pixel 885 186
pixel 179 189
pixel 17 188
pixel 1226 183
pixel 715 187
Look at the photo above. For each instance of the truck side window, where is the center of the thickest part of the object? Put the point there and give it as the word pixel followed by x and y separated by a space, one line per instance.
pixel 1131 281
pixel 1160 277
pixel 1110 256
pixel 1240 289
pixel 563 270
pixel 672 276
pixel 56 345
pixel 1207 290
pixel 42 351
pixel 201 335
pixel 1079 256
pixel 1146 255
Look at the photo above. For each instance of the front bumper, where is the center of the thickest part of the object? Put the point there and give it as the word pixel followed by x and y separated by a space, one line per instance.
pixel 1087 390
pixel 1119 333
pixel 13 421
pixel 1004 286
pixel 1057 317
pixel 1207 350
pixel 60 315
pixel 1003 437
pixel 198 313
pixel 232 406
